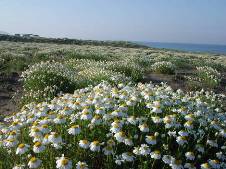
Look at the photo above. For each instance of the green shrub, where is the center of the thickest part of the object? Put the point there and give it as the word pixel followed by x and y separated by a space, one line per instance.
pixel 163 67
pixel 204 77
pixel 208 76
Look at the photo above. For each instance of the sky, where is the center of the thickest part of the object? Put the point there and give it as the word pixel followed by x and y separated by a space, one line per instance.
pixel 180 21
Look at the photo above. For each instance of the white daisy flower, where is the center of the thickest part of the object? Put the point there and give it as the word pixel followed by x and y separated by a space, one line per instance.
pixel 55 138
pixel 81 165
pixel 214 164
pixel 127 156
pixel 144 149
pixel 167 159
pixel 190 155
pixel 19 166
pixel 95 146
pixel 86 115
pixel 155 154
pixel 189 166
pixel 108 150
pixel 128 142
pixel 151 140
pixel 22 148
pixel 132 120
pixel 35 132
pixel 96 120
pixel 9 143
pixel 156 119
pixel 136 151
pixel 183 133
pixel 60 119
pixel 181 140
pixel 63 163
pixel 38 147
pixel 144 128
pixel 44 129
pixel 74 130
pixel 34 162
pixel 205 166
pixel 176 164
pixel 120 136
pixel 84 144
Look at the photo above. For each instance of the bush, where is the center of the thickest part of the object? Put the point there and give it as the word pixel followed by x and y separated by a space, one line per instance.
pixel 208 76
pixel 205 77
pixel 163 67
pixel 45 80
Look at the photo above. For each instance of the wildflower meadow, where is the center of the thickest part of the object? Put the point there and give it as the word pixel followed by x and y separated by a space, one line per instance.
pixel 89 107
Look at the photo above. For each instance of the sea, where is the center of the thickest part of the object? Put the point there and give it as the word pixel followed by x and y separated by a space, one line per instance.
pixel 200 48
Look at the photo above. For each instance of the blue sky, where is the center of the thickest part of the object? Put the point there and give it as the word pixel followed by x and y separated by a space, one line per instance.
pixel 189 21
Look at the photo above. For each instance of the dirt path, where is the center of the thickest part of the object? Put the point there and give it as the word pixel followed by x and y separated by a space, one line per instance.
pixel 174 81
pixel 177 81
pixel 8 86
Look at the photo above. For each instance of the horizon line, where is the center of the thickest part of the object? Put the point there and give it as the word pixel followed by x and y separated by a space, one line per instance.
pixel 143 41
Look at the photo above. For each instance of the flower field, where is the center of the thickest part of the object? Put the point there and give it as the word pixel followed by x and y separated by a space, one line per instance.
pixel 87 107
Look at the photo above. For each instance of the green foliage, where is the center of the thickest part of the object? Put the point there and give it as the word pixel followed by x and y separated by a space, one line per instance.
pixel 163 67
pixel 205 77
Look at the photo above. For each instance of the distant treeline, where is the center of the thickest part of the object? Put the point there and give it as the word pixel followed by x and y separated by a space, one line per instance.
pixel 14 38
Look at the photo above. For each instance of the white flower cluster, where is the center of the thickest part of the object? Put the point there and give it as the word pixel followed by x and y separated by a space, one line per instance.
pixel 163 67
pixel 50 67
pixel 207 73
pixel 132 126
pixel 206 76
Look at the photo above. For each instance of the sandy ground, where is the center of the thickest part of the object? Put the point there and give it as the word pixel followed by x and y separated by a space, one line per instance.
pixel 8 86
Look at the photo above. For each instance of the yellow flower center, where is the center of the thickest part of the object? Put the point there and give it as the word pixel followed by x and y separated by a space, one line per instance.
pixel 97 117
pixel 10 140
pixel 85 141
pixel 75 126
pixel 60 116
pixel 38 144
pixel 145 125
pixel 85 112
pixel 44 126
pixel 216 161
pixel 122 134
pixel 183 138
pixel 56 135
pixel 15 123
pixel 36 130
pixel 116 125
pixel 178 162
pixel 206 165
pixel 189 123
pixel 109 148
pixel 157 152
pixel 66 108
pixel 13 133
pixel 95 142
pixel 152 137
pixel 82 166
pixel 64 161
pixel 21 145
pixel 33 159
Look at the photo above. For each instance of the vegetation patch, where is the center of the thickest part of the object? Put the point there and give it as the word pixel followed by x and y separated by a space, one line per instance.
pixel 118 126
